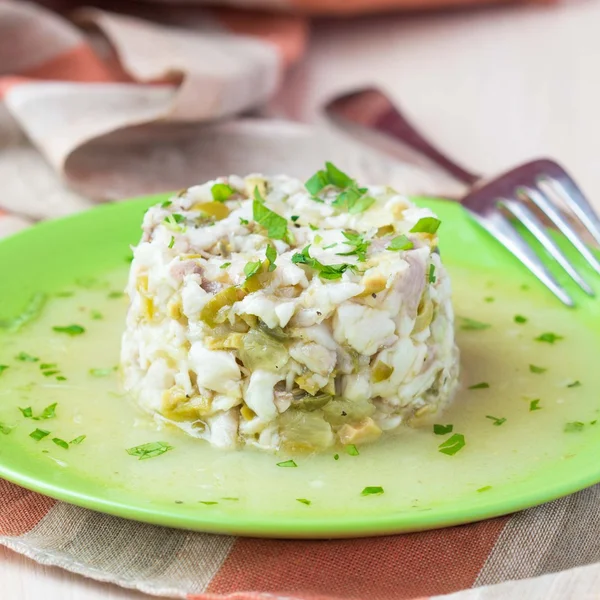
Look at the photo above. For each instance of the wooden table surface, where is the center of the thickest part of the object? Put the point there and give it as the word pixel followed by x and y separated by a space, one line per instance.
pixel 493 87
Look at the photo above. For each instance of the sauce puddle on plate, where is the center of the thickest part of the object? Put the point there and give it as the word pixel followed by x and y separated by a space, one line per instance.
pixel 526 402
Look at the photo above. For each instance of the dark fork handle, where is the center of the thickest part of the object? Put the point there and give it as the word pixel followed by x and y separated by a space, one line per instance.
pixel 372 109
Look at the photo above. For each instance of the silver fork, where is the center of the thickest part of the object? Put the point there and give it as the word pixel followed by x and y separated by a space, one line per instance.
pixel 494 203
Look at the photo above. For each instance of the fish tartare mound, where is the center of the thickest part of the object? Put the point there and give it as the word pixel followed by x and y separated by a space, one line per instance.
pixel 286 315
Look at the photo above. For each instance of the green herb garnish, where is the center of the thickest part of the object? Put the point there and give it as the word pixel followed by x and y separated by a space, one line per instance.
pixel 304 501
pixel 442 429
pixel 207 502
pixel 77 440
pixel 275 224
pixel 535 369
pixel 113 295
pixel 533 405
pixel 30 312
pixel 485 488
pixel 400 242
pixel 3 368
pixel 271 254
pixel 102 372
pixel 352 450
pixel 330 246
pixel 431 278
pixel 172 242
pixel 453 444
pixel 149 450
pixel 329 272
pixel 166 204
pixel 44 366
pixel 61 378
pixel 372 490
pixel 336 457
pixel 221 192
pixel 574 426
pixel 96 315
pixel 50 373
pixel 497 420
pixel 426 225
pixel 173 222
pixel 70 329
pixel 225 265
pixel 6 429
pixel 27 412
pixel 472 324
pixel 287 463
pixel 353 200
pixel 61 443
pixel 48 413
pixel 480 386
pixel 294 218
pixel 39 434
pixel 230 498
pixel 549 338
pixel 574 384
pixel 24 357
pixel 488 299
pixel 360 245
pixel 244 221
pixel 251 268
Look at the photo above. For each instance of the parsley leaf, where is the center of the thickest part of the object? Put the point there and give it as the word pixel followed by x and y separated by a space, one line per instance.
pixel 221 192
pixel 294 218
pixel 329 272
pixel 574 384
pixel 453 444
pixel 271 257
pixel 533 405
pixel 304 501
pixel 6 429
pixel 172 242
pixel 426 225
pixel 77 440
pixel 207 502
pixel 251 268
pixel 442 429
pixel 27 412
pixel 48 413
pixel 225 265
pixel 173 222
pixel 431 278
pixel 39 434
pixel 61 443
pixel 535 369
pixel 275 224
pixel 70 329
pixel 102 372
pixel 336 177
pixel 149 450
pixel 400 242
pixel 287 463
pixel 372 490
pixel 244 221
pixel 574 426
pixel 549 337
pixel 472 324
pixel 520 319
pixel 3 368
pixel 317 182
pixel 352 450
pixel 336 457
pixel 485 488
pixel 480 386
pixel 360 245
pixel 497 420
pixel 96 315
pixel 24 357
pixel 166 204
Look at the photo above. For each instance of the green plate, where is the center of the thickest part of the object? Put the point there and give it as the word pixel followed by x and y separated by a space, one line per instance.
pixel 547 446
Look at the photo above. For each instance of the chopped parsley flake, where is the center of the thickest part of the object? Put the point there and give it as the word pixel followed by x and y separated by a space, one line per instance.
pixel 149 450
pixel 70 329
pixel 472 324
pixel 244 221
pixel 102 372
pixel 317 239
pixel 489 299
pixel 225 265
pixel 48 413
pixel 400 242
pixel 221 192
pixel 207 502
pixel 497 420
pixel 535 369
pixel 353 200
pixel 30 312
pixel 172 242
pixel 294 218
pixel 96 315
pixel 480 386
pixel 113 295
pixel 360 245
pixel 485 488
pixel 61 378
pixel 453 444
pixel 271 257
pixel 593 422
pixel 6 429
pixel 24 357
pixel 77 440
pixel 50 373
pixel 431 278
pixel 330 246
pixel 61 443
pixel 520 319
pixel 166 204
pixel 287 463
pixel 442 429
pixel 426 225
pixel 574 384
pixel 313 227
pixel 549 338
pixel 533 405
pixel 173 222
pixel 275 224
pixel 304 501
pixel 330 176
pixel 574 426
pixel 251 268
pixel 325 271
pixel 27 412
pixel 372 490
pixel 352 450
pixel 39 434
pixel 336 457
pixel 3 368
pixel 230 498
pixel 47 366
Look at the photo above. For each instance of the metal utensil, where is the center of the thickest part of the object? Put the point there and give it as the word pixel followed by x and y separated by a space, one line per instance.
pixel 517 195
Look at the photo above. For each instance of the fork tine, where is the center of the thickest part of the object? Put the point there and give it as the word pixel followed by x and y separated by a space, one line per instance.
pixel 547 207
pixel 573 197
pixel 499 226
pixel 535 226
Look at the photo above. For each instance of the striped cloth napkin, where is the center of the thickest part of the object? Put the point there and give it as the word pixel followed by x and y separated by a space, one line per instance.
pixel 87 114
